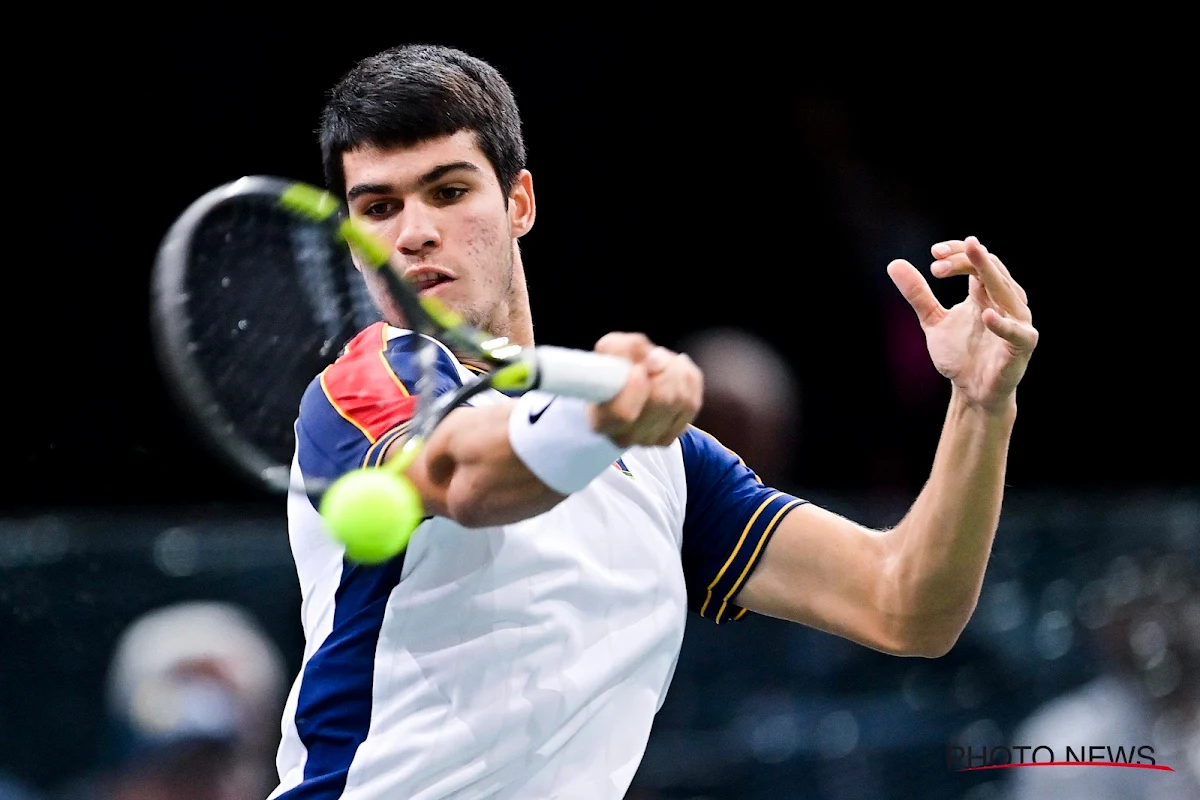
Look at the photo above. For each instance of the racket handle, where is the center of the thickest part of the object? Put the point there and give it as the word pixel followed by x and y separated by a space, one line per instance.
pixel 596 377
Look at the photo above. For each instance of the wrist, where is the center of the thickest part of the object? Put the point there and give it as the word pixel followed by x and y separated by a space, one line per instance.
pixel 554 437
pixel 1002 412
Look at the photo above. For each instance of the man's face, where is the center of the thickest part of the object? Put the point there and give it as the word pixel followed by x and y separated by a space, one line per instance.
pixel 440 204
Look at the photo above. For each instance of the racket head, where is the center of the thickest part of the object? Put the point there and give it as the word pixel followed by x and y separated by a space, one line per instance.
pixel 251 301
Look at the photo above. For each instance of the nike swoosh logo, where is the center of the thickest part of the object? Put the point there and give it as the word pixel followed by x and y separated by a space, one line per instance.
pixel 534 416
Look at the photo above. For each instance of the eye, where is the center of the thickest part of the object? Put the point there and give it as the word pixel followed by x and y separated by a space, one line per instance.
pixel 448 194
pixel 379 209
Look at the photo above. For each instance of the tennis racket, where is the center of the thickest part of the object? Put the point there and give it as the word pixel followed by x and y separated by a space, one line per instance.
pixel 255 292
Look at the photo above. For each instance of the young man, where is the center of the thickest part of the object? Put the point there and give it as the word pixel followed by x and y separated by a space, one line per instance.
pixel 522 644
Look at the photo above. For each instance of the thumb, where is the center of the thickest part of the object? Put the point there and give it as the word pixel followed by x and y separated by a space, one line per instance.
pixel 916 291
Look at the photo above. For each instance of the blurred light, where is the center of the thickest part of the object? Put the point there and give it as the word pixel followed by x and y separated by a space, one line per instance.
pixel 1059 595
pixel 915 688
pixel 176 552
pixel 1192 750
pixel 1189 618
pixel 982 791
pixel 41 540
pixel 775 739
pixel 1124 582
pixel 837 734
pixel 1006 606
pixel 1149 643
pixel 1053 635
pixel 1163 678
pixel 1168 732
pixel 1183 525
pixel 1092 605
pixel 969 690
pixel 980 733
pixel 1169 581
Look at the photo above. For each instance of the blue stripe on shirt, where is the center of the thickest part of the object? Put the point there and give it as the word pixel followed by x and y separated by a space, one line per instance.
pixel 333 710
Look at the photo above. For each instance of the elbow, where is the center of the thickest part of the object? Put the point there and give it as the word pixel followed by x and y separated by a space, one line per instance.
pixel 932 647
pixel 929 637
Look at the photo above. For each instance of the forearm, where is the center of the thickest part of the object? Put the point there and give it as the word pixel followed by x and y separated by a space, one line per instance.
pixel 468 471
pixel 939 552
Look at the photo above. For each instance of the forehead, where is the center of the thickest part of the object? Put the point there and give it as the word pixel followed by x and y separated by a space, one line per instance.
pixel 404 165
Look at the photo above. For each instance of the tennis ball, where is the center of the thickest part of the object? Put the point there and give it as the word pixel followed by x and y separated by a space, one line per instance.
pixel 372 512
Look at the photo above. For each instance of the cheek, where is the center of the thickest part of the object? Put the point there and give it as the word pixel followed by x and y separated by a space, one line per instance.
pixel 485 236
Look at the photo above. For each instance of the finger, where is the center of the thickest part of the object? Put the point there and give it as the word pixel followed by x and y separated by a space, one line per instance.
pixel 633 346
pixel 658 359
pixel 948 248
pixel 673 395
pixel 1020 289
pixel 618 418
pixel 916 291
pixel 689 381
pixel 1000 286
pixel 960 264
pixel 1021 335
pixel 974 259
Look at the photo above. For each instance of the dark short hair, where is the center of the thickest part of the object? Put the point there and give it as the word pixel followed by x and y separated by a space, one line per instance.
pixel 413 93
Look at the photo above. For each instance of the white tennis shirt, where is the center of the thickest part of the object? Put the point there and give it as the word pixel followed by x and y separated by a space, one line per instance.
pixel 518 661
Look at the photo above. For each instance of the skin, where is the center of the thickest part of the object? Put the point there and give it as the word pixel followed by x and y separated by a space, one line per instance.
pixel 441 203
pixel 909 590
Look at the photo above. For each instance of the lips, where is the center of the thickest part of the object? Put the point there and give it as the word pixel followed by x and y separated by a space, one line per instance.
pixel 425 279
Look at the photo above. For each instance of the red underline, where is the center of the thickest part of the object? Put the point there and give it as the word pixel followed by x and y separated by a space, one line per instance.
pixel 1161 767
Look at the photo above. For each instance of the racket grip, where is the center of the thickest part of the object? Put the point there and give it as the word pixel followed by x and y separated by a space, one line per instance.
pixel 596 377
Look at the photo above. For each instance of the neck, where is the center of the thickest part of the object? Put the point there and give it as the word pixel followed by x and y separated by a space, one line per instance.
pixel 519 322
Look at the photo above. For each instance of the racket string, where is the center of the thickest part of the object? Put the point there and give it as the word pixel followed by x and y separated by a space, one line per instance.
pixel 272 300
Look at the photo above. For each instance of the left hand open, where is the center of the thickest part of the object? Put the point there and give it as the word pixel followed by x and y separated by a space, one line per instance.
pixel 982 344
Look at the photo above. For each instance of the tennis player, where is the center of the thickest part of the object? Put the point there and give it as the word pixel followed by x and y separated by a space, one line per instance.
pixel 522 644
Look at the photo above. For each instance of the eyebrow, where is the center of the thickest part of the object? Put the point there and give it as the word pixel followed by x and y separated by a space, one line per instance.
pixel 429 177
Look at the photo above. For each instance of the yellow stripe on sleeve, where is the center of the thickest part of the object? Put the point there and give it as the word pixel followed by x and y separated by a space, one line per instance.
pixel 754 556
pixel 375 451
pixel 341 412
pixel 733 555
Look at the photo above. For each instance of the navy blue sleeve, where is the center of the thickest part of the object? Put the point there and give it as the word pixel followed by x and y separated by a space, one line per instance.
pixel 730 517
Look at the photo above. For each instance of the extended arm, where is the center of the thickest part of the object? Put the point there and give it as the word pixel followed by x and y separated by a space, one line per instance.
pixel 911 589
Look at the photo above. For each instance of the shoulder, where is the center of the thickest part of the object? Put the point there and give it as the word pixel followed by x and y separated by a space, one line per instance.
pixel 360 387
pixel 707 461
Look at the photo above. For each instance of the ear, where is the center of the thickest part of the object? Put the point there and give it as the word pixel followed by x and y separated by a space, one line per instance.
pixel 521 206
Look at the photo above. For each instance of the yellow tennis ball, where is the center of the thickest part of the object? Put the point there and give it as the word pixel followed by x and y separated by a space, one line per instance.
pixel 372 512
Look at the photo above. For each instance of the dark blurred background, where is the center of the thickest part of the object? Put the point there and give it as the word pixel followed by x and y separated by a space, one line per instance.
pixel 753 182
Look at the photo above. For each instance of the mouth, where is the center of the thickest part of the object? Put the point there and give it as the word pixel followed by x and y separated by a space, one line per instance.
pixel 427 281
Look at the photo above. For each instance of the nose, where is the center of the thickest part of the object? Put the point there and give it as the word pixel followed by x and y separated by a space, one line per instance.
pixel 418 230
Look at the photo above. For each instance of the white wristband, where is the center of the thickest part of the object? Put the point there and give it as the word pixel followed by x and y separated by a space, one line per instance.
pixel 553 436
